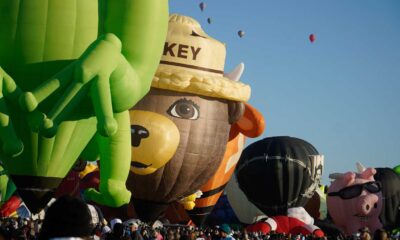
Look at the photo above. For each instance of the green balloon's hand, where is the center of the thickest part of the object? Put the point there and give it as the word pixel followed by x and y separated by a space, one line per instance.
pixel 12 145
pixel 91 73
pixel 115 160
pixel 112 193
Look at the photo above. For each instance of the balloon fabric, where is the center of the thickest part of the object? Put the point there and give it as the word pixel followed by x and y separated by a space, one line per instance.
pixel 69 73
pixel 278 173
pixel 183 124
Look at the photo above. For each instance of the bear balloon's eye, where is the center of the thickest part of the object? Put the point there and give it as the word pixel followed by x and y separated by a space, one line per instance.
pixel 184 108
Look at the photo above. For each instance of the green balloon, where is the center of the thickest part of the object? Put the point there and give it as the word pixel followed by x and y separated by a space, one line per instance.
pixel 397 169
pixel 69 73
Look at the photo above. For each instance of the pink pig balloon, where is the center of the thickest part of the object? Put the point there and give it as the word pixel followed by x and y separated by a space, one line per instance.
pixel 355 201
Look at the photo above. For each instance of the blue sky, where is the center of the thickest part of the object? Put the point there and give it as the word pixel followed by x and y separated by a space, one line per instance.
pixel 341 93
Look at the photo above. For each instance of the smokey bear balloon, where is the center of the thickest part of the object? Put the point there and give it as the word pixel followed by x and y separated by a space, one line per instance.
pixel 182 125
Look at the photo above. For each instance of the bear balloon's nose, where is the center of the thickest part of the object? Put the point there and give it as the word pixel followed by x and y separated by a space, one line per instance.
pixel 137 134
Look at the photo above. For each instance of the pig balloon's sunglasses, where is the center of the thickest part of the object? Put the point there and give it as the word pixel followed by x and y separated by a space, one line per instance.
pixel 356 190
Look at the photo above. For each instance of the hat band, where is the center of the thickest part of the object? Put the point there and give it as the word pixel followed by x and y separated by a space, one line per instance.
pixel 191 66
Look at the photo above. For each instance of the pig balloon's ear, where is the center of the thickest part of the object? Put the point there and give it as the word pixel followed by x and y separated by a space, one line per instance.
pixel 348 178
pixel 368 173
pixel 336 176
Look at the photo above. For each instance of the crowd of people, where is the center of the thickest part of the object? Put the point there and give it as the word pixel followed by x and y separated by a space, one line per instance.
pixel 70 217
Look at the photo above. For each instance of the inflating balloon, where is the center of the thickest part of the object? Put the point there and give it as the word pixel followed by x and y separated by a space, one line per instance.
pixel 222 213
pixel 278 173
pixel 69 73
pixel 316 206
pixel 390 181
pixel 355 200
pixel 183 124
pixel 241 33
pixel 311 38
pixel 251 124
pixel 243 208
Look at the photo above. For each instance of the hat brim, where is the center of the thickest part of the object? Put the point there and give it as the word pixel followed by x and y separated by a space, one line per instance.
pixel 205 85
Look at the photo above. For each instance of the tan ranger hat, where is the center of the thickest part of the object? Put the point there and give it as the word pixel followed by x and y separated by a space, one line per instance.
pixel 193 62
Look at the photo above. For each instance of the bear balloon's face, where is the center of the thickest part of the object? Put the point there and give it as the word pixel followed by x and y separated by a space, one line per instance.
pixel 181 135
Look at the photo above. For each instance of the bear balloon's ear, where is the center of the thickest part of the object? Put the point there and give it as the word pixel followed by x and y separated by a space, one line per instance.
pixel 235 111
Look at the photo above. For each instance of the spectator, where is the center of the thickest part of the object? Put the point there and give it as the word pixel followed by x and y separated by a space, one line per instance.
pixel 67 217
pixel 365 234
pixel 380 234
pixel 225 232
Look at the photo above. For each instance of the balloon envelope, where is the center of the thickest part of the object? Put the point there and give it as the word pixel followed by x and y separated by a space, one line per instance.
pixel 390 215
pixel 202 6
pixel 278 173
pixel 243 208
pixel 241 33
pixel 312 38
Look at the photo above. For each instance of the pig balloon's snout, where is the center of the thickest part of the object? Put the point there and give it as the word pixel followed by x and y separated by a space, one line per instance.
pixel 368 205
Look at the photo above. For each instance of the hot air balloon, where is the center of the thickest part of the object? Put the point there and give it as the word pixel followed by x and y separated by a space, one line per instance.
pixel 390 181
pixel 222 213
pixel 243 208
pixel 312 38
pixel 202 6
pixel 278 173
pixel 209 20
pixel 241 33
pixel 397 169
pixel 58 95
pixel 183 124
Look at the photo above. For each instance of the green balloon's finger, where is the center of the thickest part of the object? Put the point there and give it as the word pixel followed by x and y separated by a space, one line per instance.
pixel 12 145
pixel 92 194
pixel 9 87
pixel 101 97
pixel 30 100
pixel 68 101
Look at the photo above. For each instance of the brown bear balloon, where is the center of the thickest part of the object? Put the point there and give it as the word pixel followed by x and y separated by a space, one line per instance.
pixel 182 125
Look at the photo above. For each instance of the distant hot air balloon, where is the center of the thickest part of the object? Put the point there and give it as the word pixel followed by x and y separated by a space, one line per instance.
pixel 209 20
pixel 312 38
pixel 202 6
pixel 241 33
